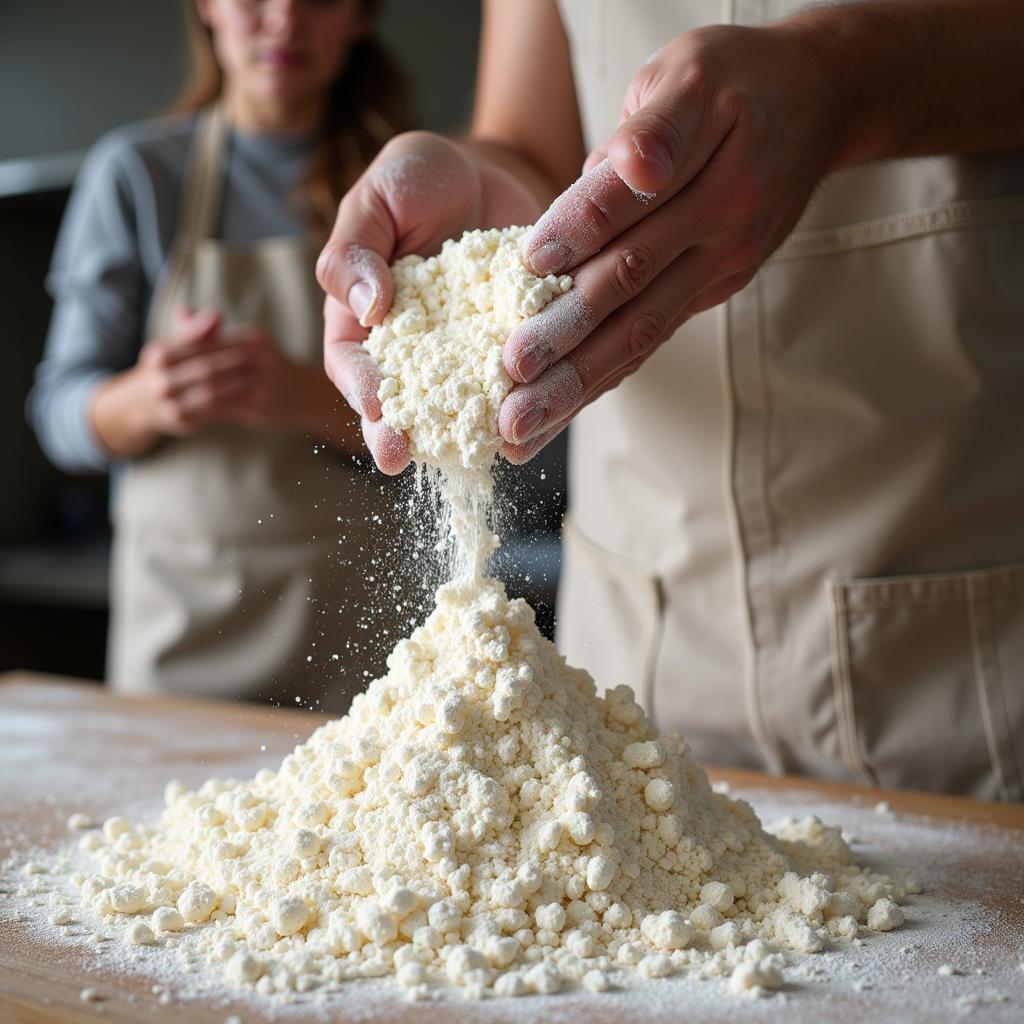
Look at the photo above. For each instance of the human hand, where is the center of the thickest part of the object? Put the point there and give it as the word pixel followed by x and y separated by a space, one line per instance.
pixel 420 190
pixel 203 374
pixel 724 135
pixel 279 392
pixel 185 380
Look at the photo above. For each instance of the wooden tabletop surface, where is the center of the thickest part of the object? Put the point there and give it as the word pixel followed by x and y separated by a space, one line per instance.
pixel 67 746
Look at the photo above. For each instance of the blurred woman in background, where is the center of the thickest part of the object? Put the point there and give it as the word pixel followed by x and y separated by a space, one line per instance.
pixel 185 352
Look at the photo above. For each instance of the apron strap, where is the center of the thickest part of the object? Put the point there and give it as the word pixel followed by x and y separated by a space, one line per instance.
pixel 199 206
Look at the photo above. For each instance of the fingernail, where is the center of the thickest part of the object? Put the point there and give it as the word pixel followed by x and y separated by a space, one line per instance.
pixel 650 148
pixel 549 259
pixel 527 425
pixel 361 298
pixel 531 363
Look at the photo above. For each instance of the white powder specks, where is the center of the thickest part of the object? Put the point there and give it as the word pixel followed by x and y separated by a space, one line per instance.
pixel 482 818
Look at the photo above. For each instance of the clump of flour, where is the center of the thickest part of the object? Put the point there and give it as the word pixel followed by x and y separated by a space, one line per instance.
pixel 439 347
pixel 482 818
pixel 439 351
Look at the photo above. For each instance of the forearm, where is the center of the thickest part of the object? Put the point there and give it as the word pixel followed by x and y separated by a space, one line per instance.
pixel 120 415
pixel 525 119
pixel 920 77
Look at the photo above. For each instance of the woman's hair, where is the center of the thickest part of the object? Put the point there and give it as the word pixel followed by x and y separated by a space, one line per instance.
pixel 367 104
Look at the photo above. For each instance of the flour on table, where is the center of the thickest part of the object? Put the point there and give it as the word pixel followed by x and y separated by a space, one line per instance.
pixel 483 818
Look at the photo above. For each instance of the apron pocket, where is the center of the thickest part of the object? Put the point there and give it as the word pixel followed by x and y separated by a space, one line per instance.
pixel 926 671
pixel 609 615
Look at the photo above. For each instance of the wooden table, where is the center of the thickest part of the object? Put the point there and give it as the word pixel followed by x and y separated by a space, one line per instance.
pixel 67 746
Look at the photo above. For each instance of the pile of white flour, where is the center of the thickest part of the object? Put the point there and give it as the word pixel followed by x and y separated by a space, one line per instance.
pixel 481 818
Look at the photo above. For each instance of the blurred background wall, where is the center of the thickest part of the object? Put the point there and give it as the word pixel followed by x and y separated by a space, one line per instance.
pixel 69 71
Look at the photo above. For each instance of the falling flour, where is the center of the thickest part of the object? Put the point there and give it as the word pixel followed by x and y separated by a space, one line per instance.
pixel 482 819
pixel 439 350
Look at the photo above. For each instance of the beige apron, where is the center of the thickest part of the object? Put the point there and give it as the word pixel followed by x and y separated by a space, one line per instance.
pixel 231 573
pixel 798 531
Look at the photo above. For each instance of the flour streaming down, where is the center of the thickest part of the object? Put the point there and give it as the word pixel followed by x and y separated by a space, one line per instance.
pixel 482 818
pixel 439 351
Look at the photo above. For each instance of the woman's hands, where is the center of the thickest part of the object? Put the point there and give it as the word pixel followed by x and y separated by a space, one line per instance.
pixel 421 190
pixel 725 133
pixel 201 375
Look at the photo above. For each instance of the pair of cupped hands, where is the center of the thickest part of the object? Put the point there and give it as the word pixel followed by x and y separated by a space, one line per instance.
pixel 724 134
pixel 201 374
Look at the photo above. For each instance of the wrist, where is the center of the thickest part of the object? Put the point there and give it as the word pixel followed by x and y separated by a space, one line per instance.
pixel 122 415
pixel 832 42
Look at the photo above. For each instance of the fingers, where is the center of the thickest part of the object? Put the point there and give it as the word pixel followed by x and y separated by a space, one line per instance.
pixel 355 374
pixel 194 333
pixel 192 325
pixel 605 282
pixel 520 454
pixel 389 447
pixel 674 122
pixel 357 377
pixel 712 207
pixel 624 340
pixel 674 126
pixel 588 214
pixel 203 403
pixel 194 328
pixel 419 191
pixel 213 368
pixel 352 268
pixel 347 363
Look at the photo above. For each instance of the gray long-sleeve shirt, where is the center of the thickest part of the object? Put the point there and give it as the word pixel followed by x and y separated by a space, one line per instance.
pixel 114 240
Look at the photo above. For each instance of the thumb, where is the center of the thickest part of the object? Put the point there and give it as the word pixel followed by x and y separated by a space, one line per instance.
pixel 665 139
pixel 353 267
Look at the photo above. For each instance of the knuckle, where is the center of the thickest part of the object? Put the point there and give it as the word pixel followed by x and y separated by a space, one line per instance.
pixel 743 258
pixel 645 333
pixel 698 80
pixel 594 220
pixel 732 104
pixel 634 269
pixel 665 129
pixel 326 264
pixel 640 89
pixel 744 199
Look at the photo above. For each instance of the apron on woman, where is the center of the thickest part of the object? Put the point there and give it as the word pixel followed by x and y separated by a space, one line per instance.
pixel 820 564
pixel 230 575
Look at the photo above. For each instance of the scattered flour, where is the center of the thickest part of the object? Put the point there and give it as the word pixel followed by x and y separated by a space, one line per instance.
pixel 482 819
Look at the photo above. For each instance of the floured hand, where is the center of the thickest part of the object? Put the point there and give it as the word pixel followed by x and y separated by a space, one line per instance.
pixel 725 133
pixel 421 190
